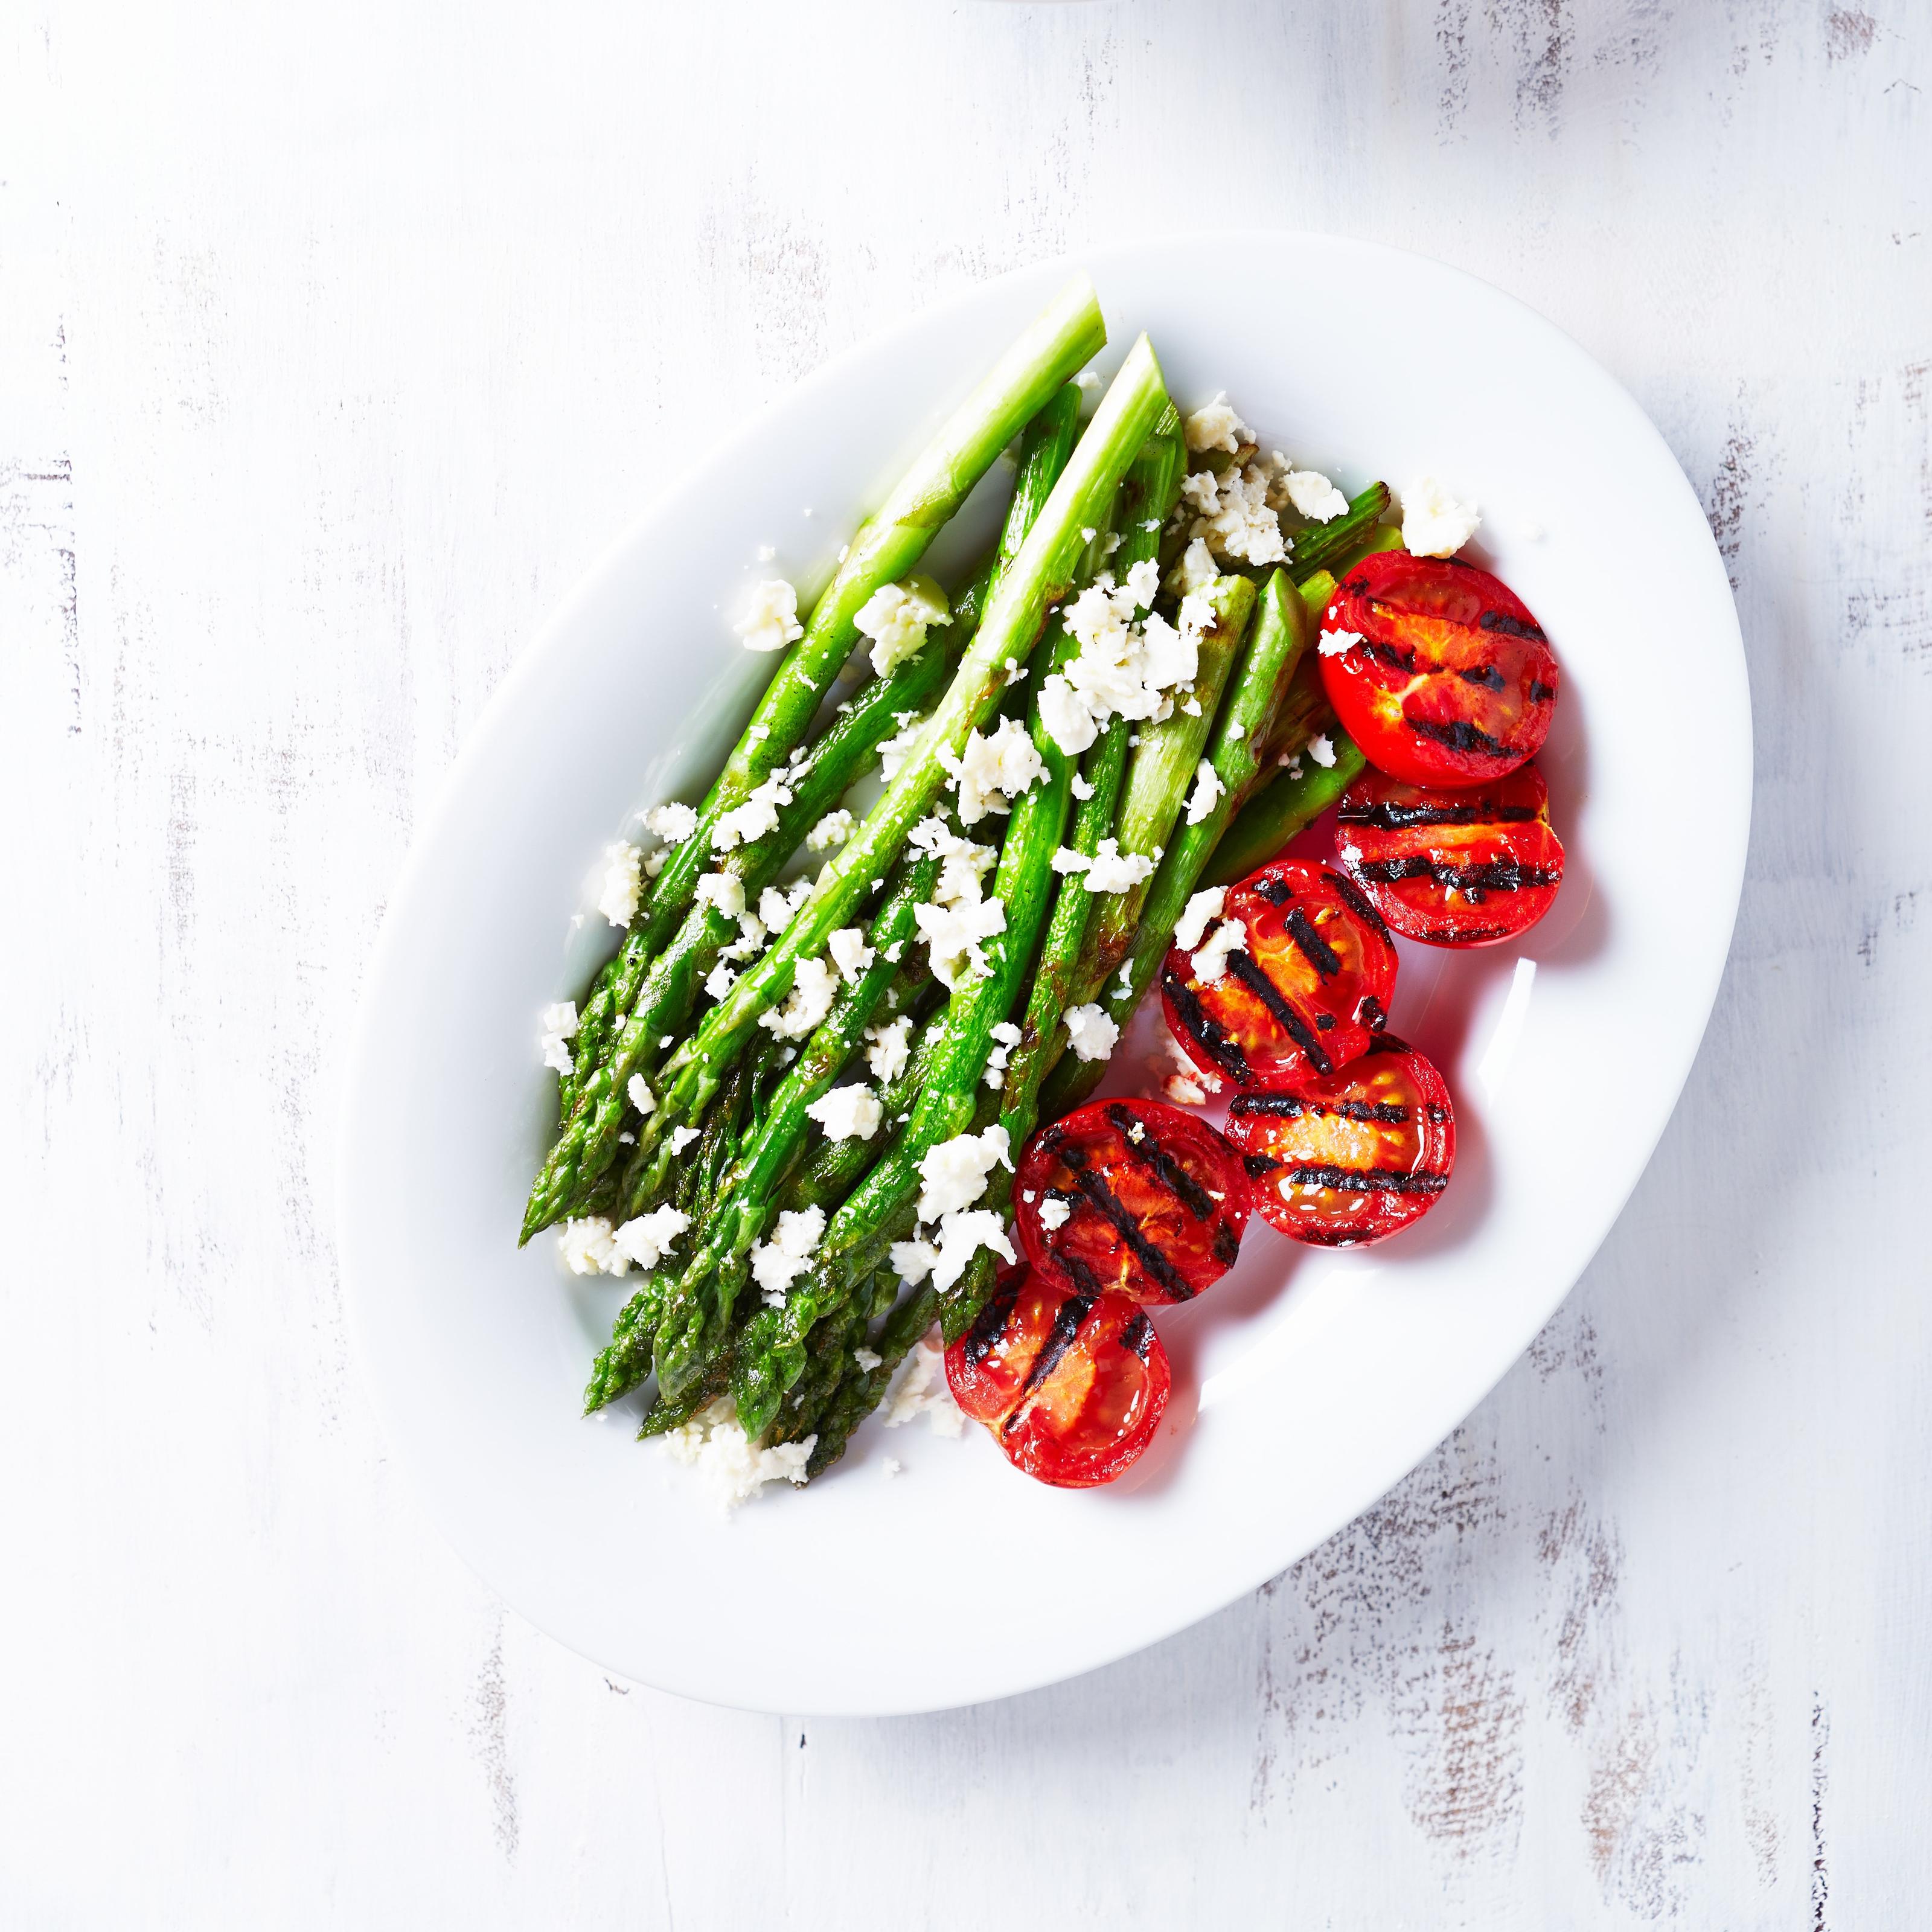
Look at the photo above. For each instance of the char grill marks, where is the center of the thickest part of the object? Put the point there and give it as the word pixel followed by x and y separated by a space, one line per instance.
pixel 1152 1155
pixel 1360 1179
pixel 1386 815
pixel 1458 735
pixel 1496 875
pixel 1512 627
pixel 1311 945
pixel 1073 1311
pixel 1095 1187
pixel 1205 1032
pixel 1290 1022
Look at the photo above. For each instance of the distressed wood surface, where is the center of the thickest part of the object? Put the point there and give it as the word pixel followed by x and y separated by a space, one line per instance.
pixel 334 343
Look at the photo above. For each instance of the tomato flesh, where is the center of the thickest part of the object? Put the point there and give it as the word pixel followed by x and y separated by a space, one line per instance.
pixel 1450 680
pixel 1453 867
pixel 1130 1197
pixel 1339 1160
pixel 1308 987
pixel 1071 1386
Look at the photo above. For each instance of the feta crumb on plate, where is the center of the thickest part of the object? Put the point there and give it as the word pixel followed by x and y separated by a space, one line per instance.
pixel 919 1388
pixel 734 1468
pixel 673 823
pixel 770 618
pixel 1216 426
pixel 557 1024
pixel 1436 522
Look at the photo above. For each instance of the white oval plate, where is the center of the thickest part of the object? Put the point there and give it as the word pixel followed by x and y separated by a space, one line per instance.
pixel 1307 1384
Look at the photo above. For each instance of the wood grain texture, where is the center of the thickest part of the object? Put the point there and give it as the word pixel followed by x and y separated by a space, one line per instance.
pixel 334 343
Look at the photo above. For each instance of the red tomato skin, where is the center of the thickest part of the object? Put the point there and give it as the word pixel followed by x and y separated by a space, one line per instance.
pixel 1341 1123
pixel 1179 1184
pixel 1071 1386
pixel 1294 911
pixel 1453 869
pixel 1452 683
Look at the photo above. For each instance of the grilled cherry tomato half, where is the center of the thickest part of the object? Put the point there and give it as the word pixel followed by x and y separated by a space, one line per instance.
pixel 1339 1160
pixel 1306 983
pixel 1133 1198
pixel 1453 867
pixel 1449 680
pixel 1071 1386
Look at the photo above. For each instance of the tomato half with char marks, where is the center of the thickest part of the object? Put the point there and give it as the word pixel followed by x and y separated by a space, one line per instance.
pixel 1448 679
pixel 1131 1197
pixel 1304 982
pixel 1071 1386
pixel 1339 1160
pixel 1453 867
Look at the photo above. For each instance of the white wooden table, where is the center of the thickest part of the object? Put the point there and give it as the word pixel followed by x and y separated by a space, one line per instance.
pixel 334 344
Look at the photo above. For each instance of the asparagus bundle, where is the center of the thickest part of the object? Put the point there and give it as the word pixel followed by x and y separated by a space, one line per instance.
pixel 1204 793
pixel 1065 336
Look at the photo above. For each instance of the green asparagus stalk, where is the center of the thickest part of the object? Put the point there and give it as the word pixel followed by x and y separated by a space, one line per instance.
pixel 698 1314
pixel 1068 333
pixel 1345 536
pixel 1287 804
pixel 884 549
pixel 1006 637
pixel 862 1389
pixel 1159 779
pixel 1280 641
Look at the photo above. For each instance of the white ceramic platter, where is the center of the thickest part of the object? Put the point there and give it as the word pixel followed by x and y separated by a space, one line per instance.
pixel 1307 1383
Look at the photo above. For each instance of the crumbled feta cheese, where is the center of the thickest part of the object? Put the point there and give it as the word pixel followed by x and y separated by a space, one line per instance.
pixel 850 953
pixel 894 751
pixel 777 904
pixel 1092 1031
pixel 961 1236
pixel 1054 1213
pixel 1126 978
pixel 1066 860
pixel 779 1262
pixel 1333 643
pixel 813 985
pixel 756 817
pixel 1216 426
pixel 724 890
pixel 846 1113
pixel 1196 570
pixel 1066 717
pixel 1210 961
pixel 1233 515
pixel 1207 789
pixel 770 621
pixel 1350 854
pixel 623 880
pixel 991 772
pixel 896 617
pixel 673 823
pixel 834 829
pixel 720 980
pixel 1434 522
pixel 1088 534
pixel 1204 905
pixel 891 1048
pixel 681 1138
pixel 1322 750
pixel 955 1171
pixel 587 1247
pixel 867 1360
pixel 891 1466
pixel 655 864
pixel 733 1468
pixel 1082 789
pixel 957 919
pixel 751 940
pixel 920 1388
pixel 912 1261
pixel 558 1023
pixel 895 952
pixel 1313 494
pixel 1005 1037
pixel 766 552
pixel 641 1096
pixel 646 1240
pixel 1112 871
